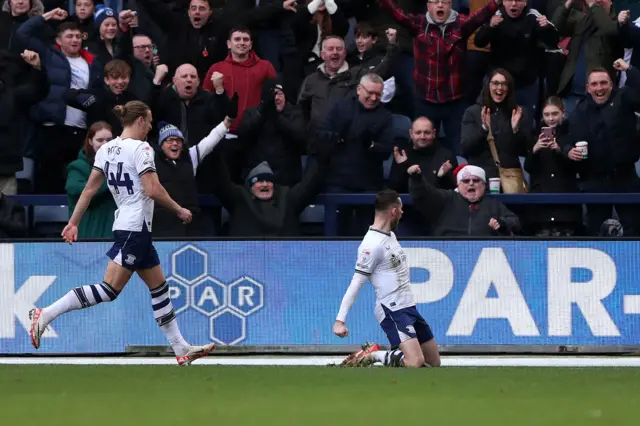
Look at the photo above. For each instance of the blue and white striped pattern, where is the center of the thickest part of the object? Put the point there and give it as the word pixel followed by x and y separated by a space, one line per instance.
pixel 91 295
pixel 162 307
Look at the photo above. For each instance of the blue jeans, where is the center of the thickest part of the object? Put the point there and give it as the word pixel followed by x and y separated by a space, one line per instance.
pixel 447 115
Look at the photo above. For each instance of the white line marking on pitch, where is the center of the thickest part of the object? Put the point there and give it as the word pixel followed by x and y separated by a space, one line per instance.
pixel 450 361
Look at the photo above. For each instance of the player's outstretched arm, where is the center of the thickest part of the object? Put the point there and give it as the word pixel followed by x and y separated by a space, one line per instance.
pixel 70 232
pixel 153 188
pixel 339 327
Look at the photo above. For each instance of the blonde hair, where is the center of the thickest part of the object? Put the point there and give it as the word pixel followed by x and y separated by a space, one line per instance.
pixel 131 111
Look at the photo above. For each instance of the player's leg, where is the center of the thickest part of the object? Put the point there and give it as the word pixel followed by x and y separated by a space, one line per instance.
pixel 164 313
pixel 407 354
pixel 405 333
pixel 115 278
pixel 428 346
pixel 431 353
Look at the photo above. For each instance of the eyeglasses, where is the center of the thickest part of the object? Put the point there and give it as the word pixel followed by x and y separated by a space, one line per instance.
pixel 144 47
pixel 371 93
pixel 467 181
pixel 499 84
pixel 445 2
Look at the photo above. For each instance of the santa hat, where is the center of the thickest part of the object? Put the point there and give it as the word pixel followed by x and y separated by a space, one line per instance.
pixel 466 171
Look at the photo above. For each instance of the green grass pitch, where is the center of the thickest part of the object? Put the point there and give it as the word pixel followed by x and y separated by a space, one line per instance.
pixel 309 396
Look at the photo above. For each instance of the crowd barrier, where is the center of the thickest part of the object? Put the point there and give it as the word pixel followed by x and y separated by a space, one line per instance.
pixel 331 202
pixel 256 293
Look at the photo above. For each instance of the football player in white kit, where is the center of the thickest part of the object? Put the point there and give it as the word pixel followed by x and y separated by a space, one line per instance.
pixel 382 261
pixel 127 162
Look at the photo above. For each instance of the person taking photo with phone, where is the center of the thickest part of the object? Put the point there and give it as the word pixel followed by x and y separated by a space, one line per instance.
pixel 550 171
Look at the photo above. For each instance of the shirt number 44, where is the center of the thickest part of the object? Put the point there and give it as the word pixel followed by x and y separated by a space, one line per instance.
pixel 119 180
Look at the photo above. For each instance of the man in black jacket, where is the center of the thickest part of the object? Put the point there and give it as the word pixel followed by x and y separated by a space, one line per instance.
pixel 274 132
pixel 606 120
pixel 186 105
pixel 463 212
pixel 433 158
pixel 261 208
pixel 194 111
pixel 334 79
pixel 363 130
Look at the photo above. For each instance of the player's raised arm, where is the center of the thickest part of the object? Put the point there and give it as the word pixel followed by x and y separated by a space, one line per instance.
pixel 70 232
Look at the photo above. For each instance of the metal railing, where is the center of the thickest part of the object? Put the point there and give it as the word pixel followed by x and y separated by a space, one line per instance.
pixel 331 202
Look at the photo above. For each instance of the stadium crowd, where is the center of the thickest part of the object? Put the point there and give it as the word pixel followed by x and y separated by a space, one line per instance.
pixel 267 103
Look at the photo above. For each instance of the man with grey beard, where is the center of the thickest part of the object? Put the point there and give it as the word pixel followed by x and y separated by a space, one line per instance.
pixel 464 211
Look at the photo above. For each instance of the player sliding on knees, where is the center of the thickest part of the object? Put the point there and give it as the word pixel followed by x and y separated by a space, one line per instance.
pixel 382 261
pixel 127 163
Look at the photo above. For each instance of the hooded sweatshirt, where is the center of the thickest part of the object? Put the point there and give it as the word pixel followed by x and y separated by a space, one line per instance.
pixel 245 78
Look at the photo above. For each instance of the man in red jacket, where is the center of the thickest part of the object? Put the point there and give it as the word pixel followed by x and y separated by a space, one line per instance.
pixel 439 46
pixel 243 72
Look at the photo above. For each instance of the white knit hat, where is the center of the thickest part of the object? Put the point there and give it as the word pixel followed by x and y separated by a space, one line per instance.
pixel 468 171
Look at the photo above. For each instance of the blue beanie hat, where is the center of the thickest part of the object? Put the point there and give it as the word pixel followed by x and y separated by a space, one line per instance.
pixel 167 130
pixel 102 13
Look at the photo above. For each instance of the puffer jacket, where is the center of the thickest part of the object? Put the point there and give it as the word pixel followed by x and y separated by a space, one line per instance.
pixel 53 108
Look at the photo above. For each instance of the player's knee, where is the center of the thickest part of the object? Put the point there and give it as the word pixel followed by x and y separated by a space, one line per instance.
pixel 414 362
pixel 434 362
pixel 111 292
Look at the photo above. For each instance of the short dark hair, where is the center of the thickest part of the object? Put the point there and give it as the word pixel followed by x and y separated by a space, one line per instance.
pixel 68 26
pixel 598 69
pixel 386 199
pixel 244 30
pixel 209 2
pixel 365 30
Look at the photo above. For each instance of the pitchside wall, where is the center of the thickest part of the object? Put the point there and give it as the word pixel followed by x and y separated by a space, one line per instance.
pixel 528 293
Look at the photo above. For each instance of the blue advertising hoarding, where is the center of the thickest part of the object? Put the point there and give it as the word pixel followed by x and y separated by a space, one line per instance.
pixel 288 293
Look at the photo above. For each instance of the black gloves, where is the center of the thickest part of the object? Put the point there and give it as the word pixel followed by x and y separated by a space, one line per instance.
pixel 268 104
pixel 232 107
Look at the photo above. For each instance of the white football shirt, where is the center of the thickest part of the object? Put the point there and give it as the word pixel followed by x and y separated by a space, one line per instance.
pixel 123 162
pixel 383 261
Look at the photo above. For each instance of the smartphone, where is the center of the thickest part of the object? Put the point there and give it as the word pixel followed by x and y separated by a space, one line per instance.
pixel 548 132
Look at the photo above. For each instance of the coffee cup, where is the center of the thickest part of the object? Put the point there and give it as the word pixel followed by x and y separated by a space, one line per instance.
pixel 494 185
pixel 583 147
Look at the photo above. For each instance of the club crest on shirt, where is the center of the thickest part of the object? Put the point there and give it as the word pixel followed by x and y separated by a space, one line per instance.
pixel 364 259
